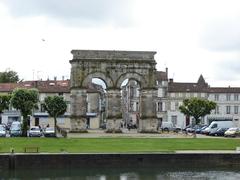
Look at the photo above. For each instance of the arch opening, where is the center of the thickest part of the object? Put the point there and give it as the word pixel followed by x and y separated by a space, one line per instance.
pixel 96 103
pixel 105 80
pixel 130 99
pixel 131 76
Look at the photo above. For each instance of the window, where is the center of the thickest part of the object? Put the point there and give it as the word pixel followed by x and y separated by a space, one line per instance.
pixel 173 107
pixel 174 120
pixel 137 106
pixel 42 109
pixel 163 106
pixel 160 107
pixel 228 109
pixel 131 92
pixel 235 109
pixel 131 106
pixel 176 105
pixel 216 97
pixel 214 126
pixel 235 97
pixel 217 110
pixel 160 92
pixel 228 97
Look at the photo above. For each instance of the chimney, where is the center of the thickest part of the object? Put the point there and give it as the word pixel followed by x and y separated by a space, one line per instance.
pixel 63 78
pixel 171 80
pixel 55 78
pixel 166 72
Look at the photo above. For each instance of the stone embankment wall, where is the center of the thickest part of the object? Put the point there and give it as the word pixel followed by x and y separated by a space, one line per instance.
pixel 18 161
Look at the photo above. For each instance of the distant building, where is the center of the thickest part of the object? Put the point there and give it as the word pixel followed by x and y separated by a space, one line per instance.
pixel 228 104
pixel 170 96
pixel 58 88
pixel 162 95
pixel 177 92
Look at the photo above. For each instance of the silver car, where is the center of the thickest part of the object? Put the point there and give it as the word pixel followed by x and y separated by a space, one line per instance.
pixel 35 131
pixel 49 132
pixel 2 131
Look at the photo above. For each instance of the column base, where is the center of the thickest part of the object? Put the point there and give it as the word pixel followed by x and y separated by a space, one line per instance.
pixel 78 125
pixel 148 125
pixel 113 126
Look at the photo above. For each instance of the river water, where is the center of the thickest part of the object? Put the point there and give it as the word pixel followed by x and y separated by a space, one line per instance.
pixel 122 174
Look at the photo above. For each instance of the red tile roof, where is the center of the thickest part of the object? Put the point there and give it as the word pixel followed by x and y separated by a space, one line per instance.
pixel 224 90
pixel 49 86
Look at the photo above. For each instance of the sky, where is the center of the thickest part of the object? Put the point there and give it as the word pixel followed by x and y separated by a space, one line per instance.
pixel 191 37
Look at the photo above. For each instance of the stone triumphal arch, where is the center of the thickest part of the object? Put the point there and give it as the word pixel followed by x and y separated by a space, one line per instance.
pixel 113 67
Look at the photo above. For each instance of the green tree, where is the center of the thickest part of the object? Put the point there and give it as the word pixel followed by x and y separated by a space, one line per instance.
pixel 25 100
pixel 4 104
pixel 197 108
pixel 9 76
pixel 55 106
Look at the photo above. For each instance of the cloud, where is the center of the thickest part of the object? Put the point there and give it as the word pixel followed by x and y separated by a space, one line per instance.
pixel 222 35
pixel 74 12
pixel 227 70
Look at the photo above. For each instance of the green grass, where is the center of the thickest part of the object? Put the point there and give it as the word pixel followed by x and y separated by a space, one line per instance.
pixel 117 145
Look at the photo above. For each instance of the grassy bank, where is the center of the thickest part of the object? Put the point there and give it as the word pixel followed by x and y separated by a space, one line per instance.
pixel 122 145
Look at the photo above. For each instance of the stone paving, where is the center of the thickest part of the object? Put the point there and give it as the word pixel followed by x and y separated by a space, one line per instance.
pixel 134 134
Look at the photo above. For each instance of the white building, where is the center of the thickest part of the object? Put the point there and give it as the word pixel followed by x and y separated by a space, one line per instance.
pixel 59 88
pixel 177 92
pixel 171 94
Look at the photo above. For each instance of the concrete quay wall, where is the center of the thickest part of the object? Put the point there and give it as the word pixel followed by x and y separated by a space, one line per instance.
pixel 164 160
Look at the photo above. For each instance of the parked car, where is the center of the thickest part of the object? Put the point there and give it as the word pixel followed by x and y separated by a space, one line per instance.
pixel 232 132
pixel 15 129
pixel 49 132
pixel 167 126
pixel 35 131
pixel 196 128
pixel 219 124
pixel 219 132
pixel 2 131
pixel 15 132
pixel 206 130
pixel 200 130
pixel 8 126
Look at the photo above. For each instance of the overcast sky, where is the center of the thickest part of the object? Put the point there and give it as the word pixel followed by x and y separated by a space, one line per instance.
pixel 191 37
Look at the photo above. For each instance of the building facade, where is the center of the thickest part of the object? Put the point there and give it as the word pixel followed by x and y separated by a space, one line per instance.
pixel 41 118
pixel 171 95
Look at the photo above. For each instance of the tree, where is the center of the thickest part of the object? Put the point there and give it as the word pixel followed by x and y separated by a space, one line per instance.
pixel 4 104
pixel 197 108
pixel 55 106
pixel 25 100
pixel 9 76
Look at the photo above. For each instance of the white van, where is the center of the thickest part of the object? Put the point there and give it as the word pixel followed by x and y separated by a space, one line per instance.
pixel 219 124
pixel 167 126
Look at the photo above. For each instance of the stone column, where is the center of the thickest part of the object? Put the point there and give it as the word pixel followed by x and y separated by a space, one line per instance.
pixel 114 111
pixel 78 110
pixel 148 115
